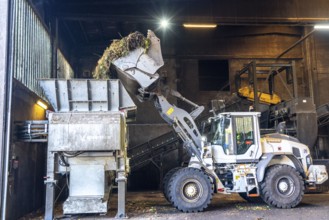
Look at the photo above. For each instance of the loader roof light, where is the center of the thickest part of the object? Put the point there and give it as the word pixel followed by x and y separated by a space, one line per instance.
pixel 164 23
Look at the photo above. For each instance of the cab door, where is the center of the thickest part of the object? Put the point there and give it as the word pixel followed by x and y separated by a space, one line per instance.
pixel 223 141
pixel 246 138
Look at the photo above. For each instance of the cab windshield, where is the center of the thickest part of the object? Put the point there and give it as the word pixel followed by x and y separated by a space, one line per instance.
pixel 219 128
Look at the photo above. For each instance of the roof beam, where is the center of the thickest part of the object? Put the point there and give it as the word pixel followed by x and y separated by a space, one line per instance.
pixel 84 32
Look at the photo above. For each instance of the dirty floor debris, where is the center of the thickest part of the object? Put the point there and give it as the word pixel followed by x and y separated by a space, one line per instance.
pixel 153 205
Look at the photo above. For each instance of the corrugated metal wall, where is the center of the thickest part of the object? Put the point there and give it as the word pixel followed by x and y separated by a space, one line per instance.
pixel 32 47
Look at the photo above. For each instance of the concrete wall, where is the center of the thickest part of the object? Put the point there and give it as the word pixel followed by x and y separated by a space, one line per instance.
pixel 239 42
pixel 321 70
pixel 239 45
pixel 25 185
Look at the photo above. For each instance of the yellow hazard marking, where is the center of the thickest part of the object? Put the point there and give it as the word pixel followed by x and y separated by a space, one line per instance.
pixel 170 111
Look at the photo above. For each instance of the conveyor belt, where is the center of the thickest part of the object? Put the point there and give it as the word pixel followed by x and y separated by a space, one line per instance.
pixel 323 115
pixel 142 154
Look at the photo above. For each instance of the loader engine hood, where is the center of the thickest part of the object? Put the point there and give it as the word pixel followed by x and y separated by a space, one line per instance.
pixel 281 137
pixel 283 144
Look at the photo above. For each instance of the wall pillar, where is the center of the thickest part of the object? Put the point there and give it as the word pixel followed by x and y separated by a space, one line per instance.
pixel 4 73
pixel 310 64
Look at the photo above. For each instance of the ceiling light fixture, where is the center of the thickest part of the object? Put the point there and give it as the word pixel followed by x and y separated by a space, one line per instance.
pixel 321 26
pixel 42 104
pixel 191 25
pixel 164 23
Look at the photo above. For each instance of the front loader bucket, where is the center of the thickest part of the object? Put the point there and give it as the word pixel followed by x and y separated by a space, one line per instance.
pixel 140 67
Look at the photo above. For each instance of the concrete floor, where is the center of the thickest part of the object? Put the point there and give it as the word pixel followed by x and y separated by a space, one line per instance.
pixel 152 205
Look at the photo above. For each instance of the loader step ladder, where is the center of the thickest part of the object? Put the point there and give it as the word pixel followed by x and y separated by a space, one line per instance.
pixel 251 181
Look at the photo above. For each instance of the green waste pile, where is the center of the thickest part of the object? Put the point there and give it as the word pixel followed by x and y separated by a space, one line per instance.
pixel 117 49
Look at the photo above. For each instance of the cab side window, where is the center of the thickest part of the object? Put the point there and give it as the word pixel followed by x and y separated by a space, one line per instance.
pixel 244 134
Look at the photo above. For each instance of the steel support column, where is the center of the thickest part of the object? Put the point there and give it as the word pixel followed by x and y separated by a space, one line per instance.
pixel 122 188
pixel 294 76
pixel 5 86
pixel 255 84
pixel 310 60
pixel 50 186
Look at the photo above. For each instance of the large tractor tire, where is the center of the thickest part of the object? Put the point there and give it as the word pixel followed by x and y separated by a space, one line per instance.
pixel 165 182
pixel 282 187
pixel 190 190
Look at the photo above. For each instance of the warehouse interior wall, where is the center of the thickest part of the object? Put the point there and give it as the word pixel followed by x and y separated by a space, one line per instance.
pixel 321 68
pixel 27 160
pixel 239 45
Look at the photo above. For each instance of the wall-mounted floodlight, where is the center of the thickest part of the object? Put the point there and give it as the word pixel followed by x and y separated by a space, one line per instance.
pixel 42 104
pixel 164 23
pixel 321 26
pixel 192 25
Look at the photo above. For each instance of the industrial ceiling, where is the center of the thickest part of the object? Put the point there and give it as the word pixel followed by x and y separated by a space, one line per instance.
pixel 86 27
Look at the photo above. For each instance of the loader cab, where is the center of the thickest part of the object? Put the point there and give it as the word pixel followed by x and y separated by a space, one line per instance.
pixel 235 137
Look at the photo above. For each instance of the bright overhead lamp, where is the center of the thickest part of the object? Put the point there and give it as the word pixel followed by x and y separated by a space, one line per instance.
pixel 321 26
pixel 42 104
pixel 192 25
pixel 164 23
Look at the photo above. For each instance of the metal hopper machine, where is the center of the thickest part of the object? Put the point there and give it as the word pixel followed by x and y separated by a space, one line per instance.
pixel 88 140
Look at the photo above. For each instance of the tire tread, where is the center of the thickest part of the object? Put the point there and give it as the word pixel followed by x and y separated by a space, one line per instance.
pixel 269 197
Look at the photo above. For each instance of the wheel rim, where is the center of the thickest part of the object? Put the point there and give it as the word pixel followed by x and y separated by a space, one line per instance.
pixel 191 190
pixel 285 186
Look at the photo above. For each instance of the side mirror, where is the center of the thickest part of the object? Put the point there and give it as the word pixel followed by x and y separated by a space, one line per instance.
pixel 281 127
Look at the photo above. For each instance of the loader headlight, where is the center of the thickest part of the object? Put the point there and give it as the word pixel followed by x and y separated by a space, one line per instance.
pixel 308 161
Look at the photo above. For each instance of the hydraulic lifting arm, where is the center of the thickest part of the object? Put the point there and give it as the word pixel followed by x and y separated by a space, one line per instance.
pixel 183 124
pixel 141 67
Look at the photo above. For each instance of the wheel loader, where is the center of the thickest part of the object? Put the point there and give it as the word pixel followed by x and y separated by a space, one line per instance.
pixel 232 157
